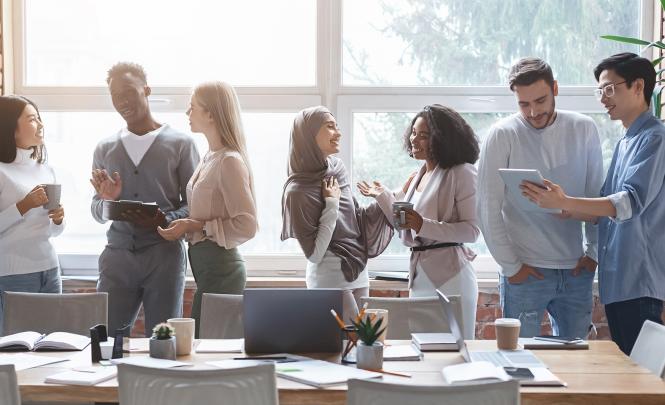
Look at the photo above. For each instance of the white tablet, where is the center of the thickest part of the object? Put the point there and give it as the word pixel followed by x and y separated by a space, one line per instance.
pixel 512 178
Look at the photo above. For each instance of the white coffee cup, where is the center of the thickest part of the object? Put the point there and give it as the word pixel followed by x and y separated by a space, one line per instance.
pixel 184 334
pixel 375 314
pixel 507 333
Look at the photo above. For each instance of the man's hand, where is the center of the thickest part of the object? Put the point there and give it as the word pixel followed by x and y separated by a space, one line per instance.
pixel 550 197
pixel 57 215
pixel 585 263
pixel 107 187
pixel 35 198
pixel 145 221
pixel 524 273
pixel 180 227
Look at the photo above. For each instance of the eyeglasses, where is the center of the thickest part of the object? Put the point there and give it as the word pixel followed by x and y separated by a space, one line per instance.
pixel 608 90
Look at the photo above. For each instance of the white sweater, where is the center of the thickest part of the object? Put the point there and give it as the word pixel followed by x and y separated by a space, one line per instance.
pixel 568 153
pixel 24 240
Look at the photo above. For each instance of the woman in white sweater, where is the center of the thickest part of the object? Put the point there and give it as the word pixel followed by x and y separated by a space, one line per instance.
pixel 28 262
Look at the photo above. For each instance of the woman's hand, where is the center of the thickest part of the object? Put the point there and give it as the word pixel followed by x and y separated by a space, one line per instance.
pixel 107 187
pixel 413 220
pixel 330 188
pixel 373 190
pixel 35 198
pixel 552 196
pixel 57 215
pixel 179 227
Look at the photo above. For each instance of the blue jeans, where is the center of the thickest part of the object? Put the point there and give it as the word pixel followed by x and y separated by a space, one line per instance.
pixel 47 281
pixel 568 299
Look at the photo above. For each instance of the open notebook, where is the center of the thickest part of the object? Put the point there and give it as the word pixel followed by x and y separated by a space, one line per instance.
pixel 37 341
pixel 485 371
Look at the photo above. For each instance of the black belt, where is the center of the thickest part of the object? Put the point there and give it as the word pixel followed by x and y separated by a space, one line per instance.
pixel 434 246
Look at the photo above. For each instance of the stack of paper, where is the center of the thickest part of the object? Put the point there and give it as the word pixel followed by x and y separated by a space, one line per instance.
pixel 427 342
pixel 87 376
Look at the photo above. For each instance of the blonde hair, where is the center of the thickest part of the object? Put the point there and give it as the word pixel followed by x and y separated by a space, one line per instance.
pixel 221 101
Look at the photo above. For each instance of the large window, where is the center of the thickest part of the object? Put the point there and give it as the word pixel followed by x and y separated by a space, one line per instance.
pixel 373 63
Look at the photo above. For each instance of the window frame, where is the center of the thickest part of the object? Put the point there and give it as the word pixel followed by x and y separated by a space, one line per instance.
pixel 328 90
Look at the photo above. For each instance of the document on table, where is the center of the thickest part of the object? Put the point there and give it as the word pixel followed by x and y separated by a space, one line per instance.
pixel 85 376
pixel 220 346
pixel 147 361
pixel 23 361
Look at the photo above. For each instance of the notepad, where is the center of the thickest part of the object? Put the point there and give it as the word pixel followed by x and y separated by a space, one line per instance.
pixel 88 377
pixel 220 346
pixel 37 341
pixel 427 342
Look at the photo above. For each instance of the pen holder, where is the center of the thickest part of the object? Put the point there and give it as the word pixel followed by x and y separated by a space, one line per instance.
pixel 351 338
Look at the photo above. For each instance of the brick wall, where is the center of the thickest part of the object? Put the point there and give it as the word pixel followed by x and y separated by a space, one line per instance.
pixel 488 310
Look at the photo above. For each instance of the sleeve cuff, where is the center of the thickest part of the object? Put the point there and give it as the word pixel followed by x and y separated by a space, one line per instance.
pixel 621 202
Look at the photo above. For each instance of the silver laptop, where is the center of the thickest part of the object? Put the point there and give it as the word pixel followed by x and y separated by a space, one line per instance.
pixel 503 358
pixel 293 320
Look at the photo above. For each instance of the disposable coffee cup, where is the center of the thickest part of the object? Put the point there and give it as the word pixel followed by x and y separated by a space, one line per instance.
pixel 507 333
pixel 184 334
pixel 375 314
pixel 53 195
pixel 399 212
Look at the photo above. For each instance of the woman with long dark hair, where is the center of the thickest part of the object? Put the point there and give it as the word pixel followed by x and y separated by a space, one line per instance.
pixel 28 262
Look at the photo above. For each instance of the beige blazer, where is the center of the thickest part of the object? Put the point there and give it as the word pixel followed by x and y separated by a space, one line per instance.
pixel 448 207
pixel 219 195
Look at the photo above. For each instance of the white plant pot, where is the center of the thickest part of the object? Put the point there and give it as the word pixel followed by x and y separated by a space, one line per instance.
pixel 163 348
pixel 369 357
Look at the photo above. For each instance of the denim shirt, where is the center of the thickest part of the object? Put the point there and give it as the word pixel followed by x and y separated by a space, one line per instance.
pixel 632 250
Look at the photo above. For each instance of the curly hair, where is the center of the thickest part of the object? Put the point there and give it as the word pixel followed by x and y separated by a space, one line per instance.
pixel 122 68
pixel 451 141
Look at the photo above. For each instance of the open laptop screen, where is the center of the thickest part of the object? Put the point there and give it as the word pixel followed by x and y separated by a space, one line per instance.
pixel 449 312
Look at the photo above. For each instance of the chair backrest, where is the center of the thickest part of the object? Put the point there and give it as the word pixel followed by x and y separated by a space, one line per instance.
pixel 221 317
pixel 409 315
pixel 649 348
pixel 255 385
pixel 365 392
pixel 46 313
pixel 9 385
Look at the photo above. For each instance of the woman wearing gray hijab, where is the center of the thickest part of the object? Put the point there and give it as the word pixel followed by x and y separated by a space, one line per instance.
pixel 319 210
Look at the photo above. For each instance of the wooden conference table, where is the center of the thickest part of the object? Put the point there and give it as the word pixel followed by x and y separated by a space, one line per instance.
pixel 600 375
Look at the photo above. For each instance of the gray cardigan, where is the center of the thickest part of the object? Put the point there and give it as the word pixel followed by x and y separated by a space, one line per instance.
pixel 161 177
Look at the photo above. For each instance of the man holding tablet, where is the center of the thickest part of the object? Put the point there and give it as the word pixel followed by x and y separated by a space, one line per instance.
pixel 630 213
pixel 544 261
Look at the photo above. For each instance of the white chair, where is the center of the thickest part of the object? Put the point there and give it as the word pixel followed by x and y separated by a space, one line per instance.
pixel 649 348
pixel 409 315
pixel 365 392
pixel 254 385
pixel 9 385
pixel 221 317
pixel 46 313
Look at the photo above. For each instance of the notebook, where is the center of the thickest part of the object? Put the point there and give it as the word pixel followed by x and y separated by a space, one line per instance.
pixel 37 341
pixel 430 342
pixel 146 361
pixel 24 361
pixel 485 371
pixel 531 343
pixel 220 346
pixel 83 376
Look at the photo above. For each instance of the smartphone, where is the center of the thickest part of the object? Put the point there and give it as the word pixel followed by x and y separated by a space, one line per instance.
pixel 568 340
pixel 519 373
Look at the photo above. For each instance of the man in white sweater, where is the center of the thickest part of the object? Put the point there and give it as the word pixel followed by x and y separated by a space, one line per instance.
pixel 545 264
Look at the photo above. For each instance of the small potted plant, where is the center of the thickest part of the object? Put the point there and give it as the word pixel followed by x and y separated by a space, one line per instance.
pixel 369 353
pixel 162 342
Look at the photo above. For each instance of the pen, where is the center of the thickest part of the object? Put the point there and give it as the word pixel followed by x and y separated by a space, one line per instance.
pixel 389 372
pixel 339 321
pixel 262 358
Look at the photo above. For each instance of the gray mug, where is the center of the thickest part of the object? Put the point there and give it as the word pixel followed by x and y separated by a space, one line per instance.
pixel 53 195
pixel 399 212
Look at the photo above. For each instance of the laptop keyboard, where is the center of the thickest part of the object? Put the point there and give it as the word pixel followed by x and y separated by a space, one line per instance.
pixel 493 357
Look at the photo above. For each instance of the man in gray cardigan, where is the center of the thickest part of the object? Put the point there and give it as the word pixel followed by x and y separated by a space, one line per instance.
pixel 149 162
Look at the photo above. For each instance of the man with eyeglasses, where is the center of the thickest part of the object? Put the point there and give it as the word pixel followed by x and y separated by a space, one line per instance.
pixel 630 212
pixel 546 264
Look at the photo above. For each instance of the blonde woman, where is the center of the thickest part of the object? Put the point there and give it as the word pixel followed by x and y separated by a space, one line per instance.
pixel 220 195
